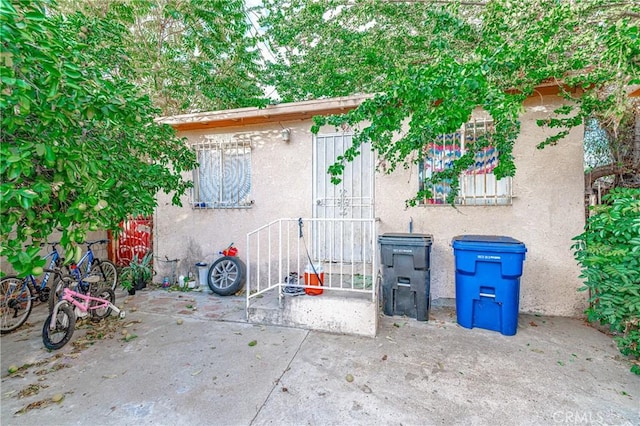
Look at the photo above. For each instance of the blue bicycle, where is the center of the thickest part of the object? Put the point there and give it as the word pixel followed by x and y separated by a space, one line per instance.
pixel 89 270
pixel 17 294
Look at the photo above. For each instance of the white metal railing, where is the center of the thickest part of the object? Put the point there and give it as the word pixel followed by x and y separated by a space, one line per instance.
pixel 343 251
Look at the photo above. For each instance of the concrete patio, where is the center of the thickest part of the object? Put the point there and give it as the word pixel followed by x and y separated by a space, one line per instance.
pixel 191 359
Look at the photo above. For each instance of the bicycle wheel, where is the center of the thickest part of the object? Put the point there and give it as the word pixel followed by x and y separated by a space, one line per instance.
pixel 58 336
pixel 15 303
pixel 103 293
pixel 226 275
pixel 107 271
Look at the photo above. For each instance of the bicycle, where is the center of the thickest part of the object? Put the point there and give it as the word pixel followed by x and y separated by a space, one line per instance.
pixel 87 266
pixel 17 294
pixel 60 324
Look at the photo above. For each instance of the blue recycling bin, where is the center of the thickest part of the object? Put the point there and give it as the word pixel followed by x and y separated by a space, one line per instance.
pixel 488 271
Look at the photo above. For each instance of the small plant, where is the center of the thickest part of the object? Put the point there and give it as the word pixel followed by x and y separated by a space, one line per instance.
pixel 609 253
pixel 137 274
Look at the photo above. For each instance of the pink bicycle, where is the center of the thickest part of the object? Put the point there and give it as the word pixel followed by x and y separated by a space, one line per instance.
pixel 60 324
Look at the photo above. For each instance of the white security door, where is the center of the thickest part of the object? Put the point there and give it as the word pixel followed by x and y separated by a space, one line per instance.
pixel 353 198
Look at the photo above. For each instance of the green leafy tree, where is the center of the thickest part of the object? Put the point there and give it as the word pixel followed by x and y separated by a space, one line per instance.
pixel 79 149
pixel 609 253
pixel 188 55
pixel 430 63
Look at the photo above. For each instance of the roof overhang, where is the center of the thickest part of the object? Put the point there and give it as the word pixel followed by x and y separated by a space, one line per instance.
pixel 298 111
pixel 270 114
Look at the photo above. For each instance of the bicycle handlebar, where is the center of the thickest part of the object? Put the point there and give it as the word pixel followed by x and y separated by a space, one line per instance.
pixel 55 243
pixel 90 243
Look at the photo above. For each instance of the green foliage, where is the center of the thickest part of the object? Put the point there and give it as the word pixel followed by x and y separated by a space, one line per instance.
pixel 609 252
pixel 79 147
pixel 431 63
pixel 139 271
pixel 188 55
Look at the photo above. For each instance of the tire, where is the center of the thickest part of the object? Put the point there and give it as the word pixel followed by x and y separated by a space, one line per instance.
pixel 103 293
pixel 61 334
pixel 56 289
pixel 107 271
pixel 227 275
pixel 15 303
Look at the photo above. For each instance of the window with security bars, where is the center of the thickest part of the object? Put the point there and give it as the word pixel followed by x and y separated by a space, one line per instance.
pixel 478 184
pixel 223 176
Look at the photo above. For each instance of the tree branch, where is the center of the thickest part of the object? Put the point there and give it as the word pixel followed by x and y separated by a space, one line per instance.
pixel 607 170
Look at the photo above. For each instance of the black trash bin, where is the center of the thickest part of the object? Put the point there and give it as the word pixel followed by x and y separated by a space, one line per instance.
pixel 405 260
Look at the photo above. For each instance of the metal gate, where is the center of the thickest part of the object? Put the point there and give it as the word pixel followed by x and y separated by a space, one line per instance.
pixel 135 239
pixel 353 198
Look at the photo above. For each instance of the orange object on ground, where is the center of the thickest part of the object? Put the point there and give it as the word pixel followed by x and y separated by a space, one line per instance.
pixel 314 278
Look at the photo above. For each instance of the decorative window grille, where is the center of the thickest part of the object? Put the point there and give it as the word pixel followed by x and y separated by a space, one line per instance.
pixel 478 184
pixel 223 177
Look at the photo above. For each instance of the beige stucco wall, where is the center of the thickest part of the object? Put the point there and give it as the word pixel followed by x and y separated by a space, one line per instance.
pixel 546 213
pixel 280 187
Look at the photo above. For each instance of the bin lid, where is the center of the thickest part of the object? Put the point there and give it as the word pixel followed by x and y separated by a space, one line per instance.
pixel 489 243
pixel 405 239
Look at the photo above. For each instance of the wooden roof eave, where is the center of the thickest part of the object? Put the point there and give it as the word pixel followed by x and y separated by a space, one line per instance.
pixel 298 111
pixel 256 119
pixel 295 111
